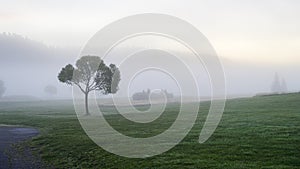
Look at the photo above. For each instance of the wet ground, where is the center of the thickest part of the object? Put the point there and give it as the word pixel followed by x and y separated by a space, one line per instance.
pixel 10 156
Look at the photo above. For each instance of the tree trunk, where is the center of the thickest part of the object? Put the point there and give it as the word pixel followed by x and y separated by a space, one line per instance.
pixel 87 104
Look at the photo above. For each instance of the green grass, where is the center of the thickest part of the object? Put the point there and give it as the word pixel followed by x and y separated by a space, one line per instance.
pixel 258 132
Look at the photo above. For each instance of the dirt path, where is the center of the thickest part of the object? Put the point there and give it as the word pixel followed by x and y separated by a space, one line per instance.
pixel 9 156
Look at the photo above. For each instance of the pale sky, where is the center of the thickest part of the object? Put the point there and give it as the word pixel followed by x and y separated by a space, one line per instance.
pixel 258 31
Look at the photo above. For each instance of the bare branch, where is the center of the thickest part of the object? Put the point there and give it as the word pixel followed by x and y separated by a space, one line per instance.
pixel 77 84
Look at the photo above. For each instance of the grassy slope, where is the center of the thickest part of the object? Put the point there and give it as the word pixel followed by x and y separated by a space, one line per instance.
pixel 259 132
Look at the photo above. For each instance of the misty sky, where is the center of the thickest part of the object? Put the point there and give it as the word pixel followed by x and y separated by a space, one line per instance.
pixel 259 31
pixel 254 38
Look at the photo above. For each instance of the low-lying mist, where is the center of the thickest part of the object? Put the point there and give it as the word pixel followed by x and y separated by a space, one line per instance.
pixel 29 71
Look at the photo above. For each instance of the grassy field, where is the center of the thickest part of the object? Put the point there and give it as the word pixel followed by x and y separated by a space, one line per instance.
pixel 258 132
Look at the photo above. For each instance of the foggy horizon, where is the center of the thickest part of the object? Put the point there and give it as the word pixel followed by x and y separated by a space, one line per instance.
pixel 38 38
pixel 259 76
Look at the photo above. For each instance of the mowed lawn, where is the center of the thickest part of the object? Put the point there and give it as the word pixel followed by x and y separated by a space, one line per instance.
pixel 258 132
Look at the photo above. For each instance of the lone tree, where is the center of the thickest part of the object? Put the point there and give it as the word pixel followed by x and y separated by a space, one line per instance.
pixel 2 88
pixel 91 74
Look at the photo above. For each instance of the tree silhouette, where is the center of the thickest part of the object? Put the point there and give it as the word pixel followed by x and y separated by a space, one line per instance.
pixel 284 88
pixel 50 89
pixel 2 88
pixel 276 87
pixel 91 74
pixel 279 86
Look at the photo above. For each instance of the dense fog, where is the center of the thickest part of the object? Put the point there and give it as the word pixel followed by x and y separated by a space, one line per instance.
pixel 29 70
